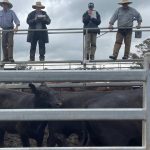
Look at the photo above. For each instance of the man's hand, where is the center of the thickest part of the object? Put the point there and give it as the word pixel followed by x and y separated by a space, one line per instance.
pixel 138 26
pixel 110 27
pixel 16 29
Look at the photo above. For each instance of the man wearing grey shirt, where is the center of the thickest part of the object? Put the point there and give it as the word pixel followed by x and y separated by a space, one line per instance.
pixel 125 16
pixel 7 17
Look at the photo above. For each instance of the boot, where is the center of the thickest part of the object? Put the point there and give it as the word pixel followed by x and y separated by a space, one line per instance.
pixel 32 58
pixel 42 58
pixel 5 60
pixel 125 57
pixel 91 57
pixel 113 57
pixel 115 51
pixel 87 57
pixel 11 60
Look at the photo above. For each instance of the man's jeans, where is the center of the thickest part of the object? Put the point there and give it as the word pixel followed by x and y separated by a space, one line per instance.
pixel 90 43
pixel 119 39
pixel 37 38
pixel 7 44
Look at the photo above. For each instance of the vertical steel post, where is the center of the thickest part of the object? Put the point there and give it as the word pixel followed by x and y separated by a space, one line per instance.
pixel 146 103
pixel 0 44
pixel 1 64
pixel 84 48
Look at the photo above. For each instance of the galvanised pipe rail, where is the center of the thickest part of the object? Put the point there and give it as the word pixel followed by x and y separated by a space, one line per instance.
pixel 72 114
pixel 73 64
pixel 137 114
pixel 75 61
pixel 74 85
pixel 77 29
pixel 80 32
pixel 78 148
pixel 72 76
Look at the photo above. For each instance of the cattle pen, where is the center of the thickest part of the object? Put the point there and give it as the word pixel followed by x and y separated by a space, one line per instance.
pixel 141 75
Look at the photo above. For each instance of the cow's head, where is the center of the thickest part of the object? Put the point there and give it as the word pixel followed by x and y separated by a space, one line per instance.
pixel 44 97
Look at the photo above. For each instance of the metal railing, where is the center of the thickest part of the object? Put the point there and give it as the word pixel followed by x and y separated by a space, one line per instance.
pixel 72 31
pixel 74 85
pixel 85 114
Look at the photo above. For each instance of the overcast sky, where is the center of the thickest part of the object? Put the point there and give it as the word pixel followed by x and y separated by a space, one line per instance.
pixel 68 14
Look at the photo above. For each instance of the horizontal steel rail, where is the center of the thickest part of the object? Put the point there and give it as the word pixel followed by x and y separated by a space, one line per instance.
pixel 72 114
pixel 78 148
pixel 76 61
pixel 72 76
pixel 79 29
pixel 79 32
pixel 68 85
pixel 44 62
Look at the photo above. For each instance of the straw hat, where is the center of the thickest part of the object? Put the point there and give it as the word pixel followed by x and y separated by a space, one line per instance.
pixel 38 5
pixel 125 2
pixel 6 2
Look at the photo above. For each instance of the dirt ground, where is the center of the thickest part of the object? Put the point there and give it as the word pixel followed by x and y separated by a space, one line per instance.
pixel 13 140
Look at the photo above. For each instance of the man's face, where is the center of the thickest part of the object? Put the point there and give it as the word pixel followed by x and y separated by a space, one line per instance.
pixel 38 8
pixel 125 5
pixel 5 6
pixel 91 7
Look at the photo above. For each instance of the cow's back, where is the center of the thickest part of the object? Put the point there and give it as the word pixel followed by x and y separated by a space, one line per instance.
pixel 11 99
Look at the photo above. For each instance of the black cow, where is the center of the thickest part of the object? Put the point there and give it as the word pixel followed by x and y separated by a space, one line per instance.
pixel 71 133
pixel 102 133
pixel 116 133
pixel 39 98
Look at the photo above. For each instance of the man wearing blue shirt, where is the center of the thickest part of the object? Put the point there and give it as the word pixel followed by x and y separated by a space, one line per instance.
pixel 125 16
pixel 7 17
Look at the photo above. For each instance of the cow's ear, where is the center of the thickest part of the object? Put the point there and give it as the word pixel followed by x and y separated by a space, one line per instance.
pixel 33 88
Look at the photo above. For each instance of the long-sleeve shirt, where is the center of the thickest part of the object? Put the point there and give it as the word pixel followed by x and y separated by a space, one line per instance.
pixel 8 18
pixel 125 17
pixel 91 20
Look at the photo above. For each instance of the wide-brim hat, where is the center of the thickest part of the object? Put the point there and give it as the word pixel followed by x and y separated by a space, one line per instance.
pixel 6 2
pixel 125 2
pixel 38 5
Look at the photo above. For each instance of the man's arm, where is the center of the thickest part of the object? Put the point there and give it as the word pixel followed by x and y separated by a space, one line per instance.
pixel 31 20
pixel 16 20
pixel 47 19
pixel 113 19
pixel 138 17
pixel 86 18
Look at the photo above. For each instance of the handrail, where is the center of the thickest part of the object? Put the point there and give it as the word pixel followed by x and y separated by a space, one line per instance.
pixel 75 61
pixel 76 29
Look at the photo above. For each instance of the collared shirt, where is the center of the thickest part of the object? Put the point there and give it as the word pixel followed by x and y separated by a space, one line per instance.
pixel 125 17
pixel 7 18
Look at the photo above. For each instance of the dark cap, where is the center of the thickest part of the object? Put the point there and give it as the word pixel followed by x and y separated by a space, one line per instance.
pixel 91 5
